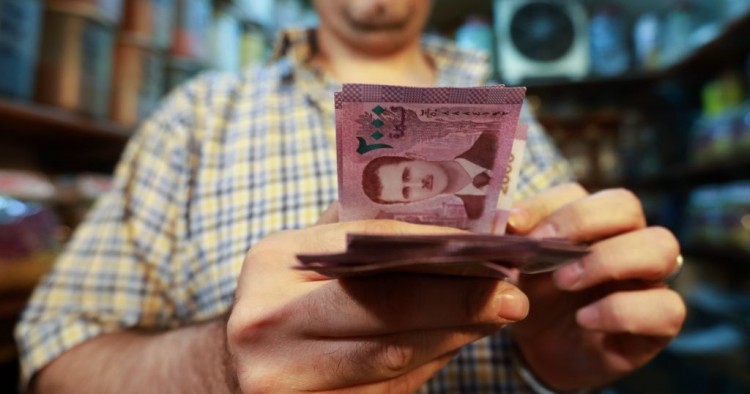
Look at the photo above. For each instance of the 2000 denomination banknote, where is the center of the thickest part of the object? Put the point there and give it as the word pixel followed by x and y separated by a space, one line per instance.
pixel 428 155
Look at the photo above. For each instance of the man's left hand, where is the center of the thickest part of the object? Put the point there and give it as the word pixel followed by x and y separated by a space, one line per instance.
pixel 598 319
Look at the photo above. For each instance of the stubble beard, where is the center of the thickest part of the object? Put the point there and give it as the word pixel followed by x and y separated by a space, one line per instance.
pixel 364 26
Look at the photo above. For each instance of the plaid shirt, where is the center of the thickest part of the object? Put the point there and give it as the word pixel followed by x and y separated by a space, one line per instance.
pixel 225 161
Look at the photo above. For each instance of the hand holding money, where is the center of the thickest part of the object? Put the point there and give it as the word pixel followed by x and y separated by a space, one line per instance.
pixel 442 156
pixel 300 331
pixel 610 311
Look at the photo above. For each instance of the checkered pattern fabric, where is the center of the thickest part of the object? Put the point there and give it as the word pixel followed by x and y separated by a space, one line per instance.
pixel 225 161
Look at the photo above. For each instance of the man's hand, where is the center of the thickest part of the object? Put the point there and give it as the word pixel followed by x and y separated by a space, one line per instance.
pixel 596 320
pixel 294 331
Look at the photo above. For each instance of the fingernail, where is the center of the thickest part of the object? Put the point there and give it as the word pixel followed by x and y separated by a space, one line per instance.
pixel 518 218
pixel 569 277
pixel 545 231
pixel 588 317
pixel 511 306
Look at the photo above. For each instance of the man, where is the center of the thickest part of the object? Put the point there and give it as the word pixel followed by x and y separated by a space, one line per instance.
pixel 391 179
pixel 139 301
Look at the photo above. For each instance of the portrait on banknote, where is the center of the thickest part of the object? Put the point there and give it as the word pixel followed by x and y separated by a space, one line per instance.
pixel 404 180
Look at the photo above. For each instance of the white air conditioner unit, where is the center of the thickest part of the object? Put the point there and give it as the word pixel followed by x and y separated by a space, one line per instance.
pixel 541 39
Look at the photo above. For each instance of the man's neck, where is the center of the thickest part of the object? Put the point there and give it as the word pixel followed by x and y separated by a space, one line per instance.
pixel 407 66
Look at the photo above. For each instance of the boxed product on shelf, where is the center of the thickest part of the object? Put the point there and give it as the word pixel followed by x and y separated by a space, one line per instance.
pixel 639 149
pixel 77 193
pixel 108 10
pixel 737 214
pixel 705 217
pixel 26 185
pixel 27 229
pixel 577 152
pixel 262 12
pixel 711 139
pixel 20 23
pixel 608 38
pixel 476 33
pixel 225 42
pixel 254 44
pixel 721 137
pixel 150 20
pixel 741 129
pixel 75 64
pixel 678 23
pixel 90 187
pixel 191 28
pixel 723 93
pixel 733 9
pixel 138 79
pixel 719 216
pixel 646 41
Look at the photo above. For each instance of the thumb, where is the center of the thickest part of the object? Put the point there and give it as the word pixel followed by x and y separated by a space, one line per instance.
pixel 330 215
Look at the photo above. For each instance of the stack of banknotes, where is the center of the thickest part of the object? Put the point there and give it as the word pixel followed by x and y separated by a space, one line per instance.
pixel 441 156
pixel 463 254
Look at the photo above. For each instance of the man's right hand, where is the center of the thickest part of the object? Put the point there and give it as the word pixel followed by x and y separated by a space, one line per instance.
pixel 296 331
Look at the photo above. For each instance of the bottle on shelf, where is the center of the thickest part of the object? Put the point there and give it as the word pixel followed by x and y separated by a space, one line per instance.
pixel 646 34
pixel 20 26
pixel 609 51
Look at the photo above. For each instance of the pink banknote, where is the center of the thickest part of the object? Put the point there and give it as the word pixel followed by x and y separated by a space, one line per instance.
pixel 440 156
pixel 493 256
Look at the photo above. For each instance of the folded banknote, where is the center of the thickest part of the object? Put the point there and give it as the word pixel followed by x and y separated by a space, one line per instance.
pixel 441 156
pixel 463 254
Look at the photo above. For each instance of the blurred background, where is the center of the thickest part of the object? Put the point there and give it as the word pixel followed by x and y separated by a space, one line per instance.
pixel 651 95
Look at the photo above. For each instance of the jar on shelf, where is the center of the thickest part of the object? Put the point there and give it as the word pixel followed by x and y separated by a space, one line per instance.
pixel 75 63
pixel 476 34
pixel 190 34
pixel 646 36
pixel 150 20
pixel 737 214
pixel 20 25
pixel 608 39
pixel 705 217
pixel 138 79
pixel 254 44
pixel 110 11
pixel 678 26
pixel 225 38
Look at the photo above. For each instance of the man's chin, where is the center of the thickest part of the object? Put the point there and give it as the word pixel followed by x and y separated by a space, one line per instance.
pixel 373 20
pixel 382 42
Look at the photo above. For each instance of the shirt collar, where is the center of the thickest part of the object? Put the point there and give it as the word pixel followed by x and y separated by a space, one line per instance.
pixel 456 67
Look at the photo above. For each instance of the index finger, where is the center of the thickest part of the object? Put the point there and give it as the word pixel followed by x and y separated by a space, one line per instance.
pixel 598 216
pixel 527 214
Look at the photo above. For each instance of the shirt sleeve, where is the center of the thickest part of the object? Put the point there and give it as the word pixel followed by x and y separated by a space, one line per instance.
pixel 543 166
pixel 111 275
